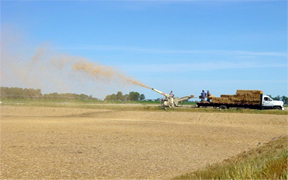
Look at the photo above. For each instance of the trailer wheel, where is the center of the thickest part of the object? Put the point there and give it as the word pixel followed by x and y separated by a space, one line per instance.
pixel 222 107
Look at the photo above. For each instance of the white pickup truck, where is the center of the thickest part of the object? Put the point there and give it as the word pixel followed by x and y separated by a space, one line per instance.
pixel 265 103
pixel 269 103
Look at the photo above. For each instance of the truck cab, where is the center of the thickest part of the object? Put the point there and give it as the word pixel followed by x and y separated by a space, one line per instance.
pixel 269 103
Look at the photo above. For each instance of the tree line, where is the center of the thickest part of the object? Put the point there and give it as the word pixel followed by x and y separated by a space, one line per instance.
pixel 280 98
pixel 20 93
pixel 132 96
pixel 29 93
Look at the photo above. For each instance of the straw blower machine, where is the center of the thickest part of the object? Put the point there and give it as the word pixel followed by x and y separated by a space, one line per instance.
pixel 172 101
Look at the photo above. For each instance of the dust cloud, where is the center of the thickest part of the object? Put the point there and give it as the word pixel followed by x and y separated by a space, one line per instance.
pixel 43 68
pixel 105 73
pixel 79 66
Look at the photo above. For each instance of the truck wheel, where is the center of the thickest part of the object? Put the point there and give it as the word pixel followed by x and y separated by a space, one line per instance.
pixel 222 107
pixel 277 108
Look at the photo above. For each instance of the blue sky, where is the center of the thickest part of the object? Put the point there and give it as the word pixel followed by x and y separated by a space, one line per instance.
pixel 184 46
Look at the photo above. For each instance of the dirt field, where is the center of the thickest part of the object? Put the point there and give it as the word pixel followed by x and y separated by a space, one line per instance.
pixel 62 143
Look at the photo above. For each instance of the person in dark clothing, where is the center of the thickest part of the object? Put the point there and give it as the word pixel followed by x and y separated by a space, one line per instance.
pixel 208 95
pixel 203 94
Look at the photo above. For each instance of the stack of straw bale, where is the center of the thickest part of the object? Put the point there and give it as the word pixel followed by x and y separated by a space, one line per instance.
pixel 241 97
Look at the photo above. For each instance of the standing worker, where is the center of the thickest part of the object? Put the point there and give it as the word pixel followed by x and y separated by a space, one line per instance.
pixel 171 95
pixel 203 95
pixel 208 95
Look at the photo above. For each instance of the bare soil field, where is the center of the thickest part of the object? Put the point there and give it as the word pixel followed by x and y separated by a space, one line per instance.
pixel 72 143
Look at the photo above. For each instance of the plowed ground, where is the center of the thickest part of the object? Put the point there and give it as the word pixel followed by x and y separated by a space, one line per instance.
pixel 62 143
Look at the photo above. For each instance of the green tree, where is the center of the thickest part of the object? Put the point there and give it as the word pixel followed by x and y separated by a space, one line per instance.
pixel 4 92
pixel 53 95
pixel 38 93
pixel 119 96
pixel 107 98
pixel 157 100
pixel 133 96
pixel 277 98
pixel 284 99
pixel 142 97
pixel 126 97
pixel 111 97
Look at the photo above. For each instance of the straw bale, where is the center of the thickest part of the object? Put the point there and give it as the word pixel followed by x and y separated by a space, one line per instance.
pixel 211 96
pixel 251 102
pixel 257 96
pixel 242 96
pixel 242 92
pixel 252 97
pixel 224 100
pixel 239 96
pixel 215 99
pixel 257 92
pixel 235 99
pixel 226 96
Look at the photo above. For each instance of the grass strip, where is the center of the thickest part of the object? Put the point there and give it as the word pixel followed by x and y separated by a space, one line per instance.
pixel 265 162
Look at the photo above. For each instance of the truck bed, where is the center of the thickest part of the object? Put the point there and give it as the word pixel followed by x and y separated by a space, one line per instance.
pixel 228 105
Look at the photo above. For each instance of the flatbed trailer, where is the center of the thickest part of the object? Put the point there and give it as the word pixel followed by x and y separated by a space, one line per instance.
pixel 228 105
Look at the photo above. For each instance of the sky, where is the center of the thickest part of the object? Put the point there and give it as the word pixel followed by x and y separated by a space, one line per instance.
pixel 185 46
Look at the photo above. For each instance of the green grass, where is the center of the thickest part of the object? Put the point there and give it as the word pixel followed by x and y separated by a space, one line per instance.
pixel 265 162
pixel 132 106
pixel 87 104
